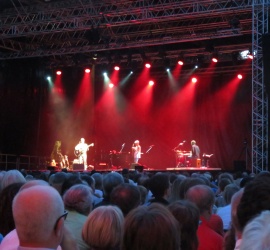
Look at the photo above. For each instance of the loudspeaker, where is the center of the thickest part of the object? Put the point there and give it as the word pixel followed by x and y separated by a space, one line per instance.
pixel 137 167
pixel 78 167
pixel 51 168
pixel 239 166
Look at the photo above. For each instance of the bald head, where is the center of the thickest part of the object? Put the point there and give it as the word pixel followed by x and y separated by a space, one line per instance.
pixel 202 196
pixel 36 211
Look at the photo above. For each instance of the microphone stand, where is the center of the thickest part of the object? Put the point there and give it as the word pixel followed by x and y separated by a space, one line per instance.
pixel 148 150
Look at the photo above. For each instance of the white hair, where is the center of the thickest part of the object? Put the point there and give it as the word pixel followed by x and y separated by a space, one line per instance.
pixel 256 233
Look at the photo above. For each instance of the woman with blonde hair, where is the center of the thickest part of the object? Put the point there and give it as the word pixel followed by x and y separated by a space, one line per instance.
pixel 103 228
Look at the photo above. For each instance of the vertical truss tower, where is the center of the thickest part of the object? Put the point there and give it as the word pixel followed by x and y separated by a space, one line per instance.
pixel 259 94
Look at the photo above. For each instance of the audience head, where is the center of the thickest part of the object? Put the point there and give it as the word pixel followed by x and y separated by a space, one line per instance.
pixel 6 217
pixel 159 185
pixel 110 181
pixel 38 214
pixel 103 228
pixel 98 180
pixel 256 233
pixel 10 177
pixel 126 197
pixel 203 197
pixel 188 216
pixel 151 227
pixel 78 198
pixel 229 191
pixel 175 188
pixel 71 180
pixel 255 199
pixel 143 192
pixel 188 183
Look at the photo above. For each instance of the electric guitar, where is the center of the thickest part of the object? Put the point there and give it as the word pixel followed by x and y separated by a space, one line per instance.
pixel 79 152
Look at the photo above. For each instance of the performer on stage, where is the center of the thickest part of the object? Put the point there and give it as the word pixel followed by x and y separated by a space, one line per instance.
pixel 136 150
pixel 82 149
pixel 195 150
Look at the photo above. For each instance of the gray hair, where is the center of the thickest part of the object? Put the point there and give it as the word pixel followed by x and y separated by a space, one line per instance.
pixel 78 198
pixel 10 177
pixel 256 233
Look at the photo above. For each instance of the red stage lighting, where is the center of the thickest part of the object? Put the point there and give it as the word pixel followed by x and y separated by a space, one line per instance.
pixel 250 56
pixel 180 62
pixel 87 71
pixel 116 68
pixel 151 83
pixel 111 85
pixel 194 80
pixel 214 59
pixel 239 76
pixel 148 65
pixel 58 72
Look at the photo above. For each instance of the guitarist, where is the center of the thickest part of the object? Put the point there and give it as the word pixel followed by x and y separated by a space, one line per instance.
pixel 81 150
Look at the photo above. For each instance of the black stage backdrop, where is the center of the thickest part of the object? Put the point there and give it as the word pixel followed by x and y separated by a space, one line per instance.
pixel 216 112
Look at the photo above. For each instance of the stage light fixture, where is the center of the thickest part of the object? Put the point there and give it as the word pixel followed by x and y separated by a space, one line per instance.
pixel 58 72
pixel 151 83
pixel 117 68
pixel 147 65
pixel 111 85
pixel 194 80
pixel 87 71
pixel 48 78
pixel 180 62
pixel 240 76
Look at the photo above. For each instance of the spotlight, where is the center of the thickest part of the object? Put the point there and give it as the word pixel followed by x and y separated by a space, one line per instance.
pixel 116 68
pixel 58 72
pixel 215 57
pixel 239 76
pixel 105 74
pixel 49 78
pixel 168 70
pixel 87 71
pixel 151 83
pixel 180 62
pixel 111 85
pixel 131 72
pixel 148 65
pixel 194 80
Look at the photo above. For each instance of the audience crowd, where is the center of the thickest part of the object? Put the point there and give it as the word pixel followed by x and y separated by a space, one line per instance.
pixel 133 210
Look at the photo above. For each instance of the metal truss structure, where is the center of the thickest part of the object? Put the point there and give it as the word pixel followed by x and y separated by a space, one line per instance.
pixel 85 32
pixel 260 108
pixel 78 30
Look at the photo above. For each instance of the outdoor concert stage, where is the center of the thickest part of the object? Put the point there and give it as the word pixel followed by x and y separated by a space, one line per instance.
pixel 139 168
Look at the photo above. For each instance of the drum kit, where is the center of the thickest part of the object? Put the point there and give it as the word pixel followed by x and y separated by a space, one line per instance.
pixel 182 158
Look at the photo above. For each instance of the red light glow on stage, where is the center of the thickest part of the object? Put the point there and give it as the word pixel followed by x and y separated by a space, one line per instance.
pixel 111 85
pixel 87 71
pixel 58 72
pixel 116 68
pixel 214 59
pixel 239 76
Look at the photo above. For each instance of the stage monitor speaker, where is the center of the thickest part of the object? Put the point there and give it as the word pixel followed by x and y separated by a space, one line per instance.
pixel 239 166
pixel 137 167
pixel 78 167
pixel 51 168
